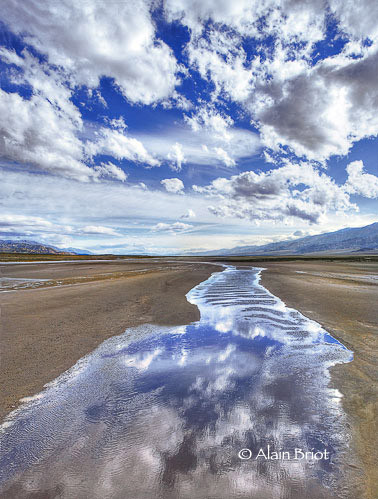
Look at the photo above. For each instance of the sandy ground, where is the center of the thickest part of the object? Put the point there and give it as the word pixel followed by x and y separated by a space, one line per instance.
pixel 343 297
pixel 46 330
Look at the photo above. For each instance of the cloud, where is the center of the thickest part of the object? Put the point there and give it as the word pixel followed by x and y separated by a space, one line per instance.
pixel 12 222
pixel 322 111
pixel 41 227
pixel 285 19
pixel 65 206
pixel 37 133
pixel 176 156
pixel 225 69
pixel 43 131
pixel 91 40
pixel 200 146
pixel 98 229
pixel 116 143
pixel 189 214
pixel 293 191
pixel 175 227
pixel 174 185
pixel 223 156
pixel 219 56
pixel 301 233
pixel 212 120
pixel 257 77
pixel 359 19
pixel 91 203
pixel 361 183
pixel 48 133
pixel 316 109
pixel 111 170
pixel 49 82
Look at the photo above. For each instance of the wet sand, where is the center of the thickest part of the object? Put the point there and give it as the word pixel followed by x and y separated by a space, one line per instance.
pixel 342 297
pixel 47 329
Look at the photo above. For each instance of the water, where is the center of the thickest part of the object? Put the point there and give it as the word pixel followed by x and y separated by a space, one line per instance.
pixel 13 283
pixel 164 412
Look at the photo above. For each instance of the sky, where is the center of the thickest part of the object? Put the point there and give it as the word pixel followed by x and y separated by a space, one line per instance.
pixel 176 126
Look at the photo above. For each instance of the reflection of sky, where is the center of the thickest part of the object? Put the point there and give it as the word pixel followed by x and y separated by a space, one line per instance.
pixel 165 415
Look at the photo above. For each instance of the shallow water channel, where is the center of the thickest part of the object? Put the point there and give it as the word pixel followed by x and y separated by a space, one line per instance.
pixel 166 412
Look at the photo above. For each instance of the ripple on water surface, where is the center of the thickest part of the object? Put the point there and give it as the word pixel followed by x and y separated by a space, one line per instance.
pixel 163 412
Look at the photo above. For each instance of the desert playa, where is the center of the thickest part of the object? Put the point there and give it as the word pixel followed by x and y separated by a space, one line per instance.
pixel 54 313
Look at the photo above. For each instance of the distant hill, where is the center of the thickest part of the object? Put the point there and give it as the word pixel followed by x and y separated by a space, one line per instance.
pixel 351 240
pixel 77 251
pixel 9 246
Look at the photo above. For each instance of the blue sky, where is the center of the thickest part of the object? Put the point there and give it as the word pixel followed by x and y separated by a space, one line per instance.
pixel 178 126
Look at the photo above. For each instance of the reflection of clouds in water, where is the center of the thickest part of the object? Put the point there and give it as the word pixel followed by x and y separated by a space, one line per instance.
pixel 224 326
pixel 249 374
pixel 226 353
pixel 249 310
pixel 142 360
pixel 183 357
pixel 140 457
pixel 179 330
pixel 103 463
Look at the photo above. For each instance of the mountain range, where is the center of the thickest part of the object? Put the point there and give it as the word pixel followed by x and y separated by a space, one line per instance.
pixel 31 247
pixel 344 241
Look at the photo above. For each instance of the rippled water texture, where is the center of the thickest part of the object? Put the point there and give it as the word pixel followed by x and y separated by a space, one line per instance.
pixel 163 412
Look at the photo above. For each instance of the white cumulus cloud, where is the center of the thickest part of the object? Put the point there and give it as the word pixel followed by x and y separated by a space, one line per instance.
pixel 174 185
pixel 293 191
pixel 171 227
pixel 317 110
pixel 111 170
pixel 189 214
pixel 28 128
pixel 117 143
pixel 94 39
pixel 176 156
pixel 224 157
pixel 359 182
pixel 99 229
